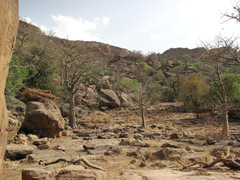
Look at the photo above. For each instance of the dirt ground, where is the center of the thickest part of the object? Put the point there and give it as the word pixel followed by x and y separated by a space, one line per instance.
pixel 117 143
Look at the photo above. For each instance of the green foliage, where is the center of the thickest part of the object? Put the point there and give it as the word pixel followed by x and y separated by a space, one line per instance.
pixel 168 95
pixel 179 63
pixel 127 85
pixel 192 92
pixel 232 87
pixel 143 65
pixel 154 91
pixel 41 76
pixel 17 74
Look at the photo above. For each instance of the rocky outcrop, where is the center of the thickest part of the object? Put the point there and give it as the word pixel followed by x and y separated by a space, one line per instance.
pixel 65 110
pixel 67 173
pixel 91 97
pixel 13 126
pixel 15 106
pixel 9 24
pixel 17 151
pixel 37 174
pixel 109 98
pixel 126 100
pixel 43 119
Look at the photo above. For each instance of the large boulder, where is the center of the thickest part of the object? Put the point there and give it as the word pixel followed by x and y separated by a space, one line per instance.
pixel 77 172
pixel 109 98
pixel 68 173
pixel 15 106
pixel 9 23
pixel 126 100
pixel 13 126
pixel 18 151
pixel 65 110
pixel 43 119
pixel 91 97
pixel 37 174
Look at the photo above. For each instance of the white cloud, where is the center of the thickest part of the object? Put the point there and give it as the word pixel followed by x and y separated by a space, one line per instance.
pixel 105 20
pixel 143 31
pixel 74 28
pixel 27 19
pixel 44 28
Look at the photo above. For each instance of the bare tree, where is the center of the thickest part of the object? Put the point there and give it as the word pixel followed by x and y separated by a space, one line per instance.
pixel 235 14
pixel 74 61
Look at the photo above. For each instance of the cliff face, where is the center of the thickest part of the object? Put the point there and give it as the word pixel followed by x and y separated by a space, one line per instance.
pixel 8 29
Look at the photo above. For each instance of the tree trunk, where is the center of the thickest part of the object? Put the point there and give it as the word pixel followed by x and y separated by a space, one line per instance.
pixel 143 118
pixel 72 118
pixel 225 130
pixel 8 29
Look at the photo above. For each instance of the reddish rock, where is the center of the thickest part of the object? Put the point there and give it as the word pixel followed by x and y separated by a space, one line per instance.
pixel 43 119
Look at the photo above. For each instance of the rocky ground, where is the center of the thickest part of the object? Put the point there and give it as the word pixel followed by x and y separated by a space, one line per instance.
pixel 114 141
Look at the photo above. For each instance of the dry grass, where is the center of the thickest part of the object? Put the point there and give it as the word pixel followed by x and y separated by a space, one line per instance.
pixel 31 94
pixel 213 129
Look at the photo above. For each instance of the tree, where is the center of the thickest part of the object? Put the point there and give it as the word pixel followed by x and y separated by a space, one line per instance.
pixel 192 92
pixel 73 67
pixel 145 90
pixel 76 68
pixel 223 52
pixel 232 87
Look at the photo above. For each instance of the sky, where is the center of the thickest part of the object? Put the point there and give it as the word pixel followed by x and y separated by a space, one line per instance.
pixel 140 25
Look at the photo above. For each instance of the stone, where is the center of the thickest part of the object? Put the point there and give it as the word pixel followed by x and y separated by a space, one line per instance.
pixel 77 172
pixel 210 141
pixel 127 104
pixel 9 20
pixel 15 106
pixel 43 119
pixel 37 174
pixel 129 176
pixel 66 133
pixel 170 154
pixel 18 151
pixel 41 141
pixel 142 164
pixel 125 98
pixel 91 97
pixel 124 135
pixel 13 126
pixel 32 137
pixel 109 98
pixel 21 139
pixel 43 146
pixel 32 158
pixel 64 108
pixel 174 136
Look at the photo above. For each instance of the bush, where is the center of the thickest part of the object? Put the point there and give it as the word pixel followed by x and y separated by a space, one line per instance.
pixel 192 92
pixel 16 76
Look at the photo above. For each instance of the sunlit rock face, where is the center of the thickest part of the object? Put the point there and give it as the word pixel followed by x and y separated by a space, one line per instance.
pixel 8 22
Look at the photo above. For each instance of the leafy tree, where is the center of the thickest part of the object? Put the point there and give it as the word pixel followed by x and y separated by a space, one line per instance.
pixel 192 92
pixel 127 85
pixel 232 88
pixel 223 52
pixel 16 76
pixel 146 90
pixel 179 63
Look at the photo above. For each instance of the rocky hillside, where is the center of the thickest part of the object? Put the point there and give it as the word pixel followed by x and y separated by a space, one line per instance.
pixel 121 61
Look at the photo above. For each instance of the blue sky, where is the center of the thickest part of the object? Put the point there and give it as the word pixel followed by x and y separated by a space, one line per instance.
pixel 142 25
